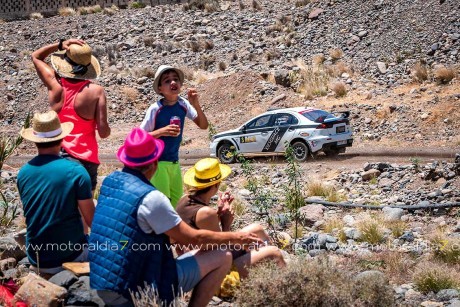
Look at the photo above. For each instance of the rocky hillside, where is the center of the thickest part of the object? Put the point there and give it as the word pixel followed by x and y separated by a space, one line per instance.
pixel 373 45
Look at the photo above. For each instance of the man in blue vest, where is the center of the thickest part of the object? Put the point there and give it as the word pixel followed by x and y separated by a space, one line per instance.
pixel 130 236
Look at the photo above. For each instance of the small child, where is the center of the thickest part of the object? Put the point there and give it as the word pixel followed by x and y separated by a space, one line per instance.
pixel 162 121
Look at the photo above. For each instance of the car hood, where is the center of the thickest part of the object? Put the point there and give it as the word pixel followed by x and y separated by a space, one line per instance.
pixel 225 133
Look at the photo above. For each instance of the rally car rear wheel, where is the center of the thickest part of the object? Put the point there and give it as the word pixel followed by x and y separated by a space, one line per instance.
pixel 300 150
pixel 226 153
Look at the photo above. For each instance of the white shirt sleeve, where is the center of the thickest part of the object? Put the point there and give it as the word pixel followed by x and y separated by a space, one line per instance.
pixel 156 214
pixel 191 111
pixel 148 124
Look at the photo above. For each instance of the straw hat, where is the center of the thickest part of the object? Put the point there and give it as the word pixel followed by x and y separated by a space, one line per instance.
pixel 140 148
pixel 160 71
pixel 77 63
pixel 205 173
pixel 46 128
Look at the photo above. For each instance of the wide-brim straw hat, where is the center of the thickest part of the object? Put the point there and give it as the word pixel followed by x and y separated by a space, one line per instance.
pixel 46 128
pixel 76 63
pixel 205 173
pixel 160 71
pixel 140 149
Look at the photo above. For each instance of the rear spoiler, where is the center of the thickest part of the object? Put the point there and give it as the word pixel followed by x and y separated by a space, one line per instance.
pixel 341 114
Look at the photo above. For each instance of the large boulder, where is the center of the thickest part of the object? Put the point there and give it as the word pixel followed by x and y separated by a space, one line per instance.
pixel 311 214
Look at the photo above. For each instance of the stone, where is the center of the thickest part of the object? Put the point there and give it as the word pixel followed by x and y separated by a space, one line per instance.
pixel 445 295
pixel 315 13
pixel 382 67
pixel 431 304
pixel 348 220
pixel 372 173
pixel 392 214
pixel 63 279
pixel 282 77
pixel 10 249
pixel 8 263
pixel 311 214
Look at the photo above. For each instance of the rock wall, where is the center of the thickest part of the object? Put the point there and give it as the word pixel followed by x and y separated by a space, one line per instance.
pixel 11 9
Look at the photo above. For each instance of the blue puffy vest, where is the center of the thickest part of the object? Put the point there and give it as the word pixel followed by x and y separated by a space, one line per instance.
pixel 122 256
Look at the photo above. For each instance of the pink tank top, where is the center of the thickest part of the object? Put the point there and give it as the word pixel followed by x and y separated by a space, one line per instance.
pixel 81 142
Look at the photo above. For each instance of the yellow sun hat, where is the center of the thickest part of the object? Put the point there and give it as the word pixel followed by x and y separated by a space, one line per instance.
pixel 205 173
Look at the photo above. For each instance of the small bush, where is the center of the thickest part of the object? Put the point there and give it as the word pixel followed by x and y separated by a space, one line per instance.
pixel 256 5
pixel 67 11
pixel 371 231
pixel 207 61
pixel 35 16
pixel 130 93
pixel 136 5
pixel 310 81
pixel 144 72
pixel 301 3
pixel 203 5
pixel 272 54
pixel 222 66
pixel 311 283
pixel 148 297
pixel 339 89
pixel 208 44
pixel 420 72
pixel 444 75
pixel 318 59
pixel 336 54
pixel 430 276
pixel 109 11
pixel 241 5
pixel 148 41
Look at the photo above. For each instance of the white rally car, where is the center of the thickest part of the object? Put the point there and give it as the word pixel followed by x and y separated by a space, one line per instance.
pixel 307 130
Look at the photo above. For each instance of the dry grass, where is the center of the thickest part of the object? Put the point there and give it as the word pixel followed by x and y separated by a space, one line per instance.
pixel 317 188
pixel 208 6
pixel 420 72
pixel 136 5
pixel 111 10
pixel 313 80
pixel 311 283
pixel 148 297
pixel 148 41
pixel 272 54
pixel 397 227
pixel 241 5
pixel 206 60
pixel 332 225
pixel 130 93
pixel 443 75
pixel 371 230
pixel 146 71
pixel 67 11
pixel 86 10
pixel 446 249
pixel 208 44
pixel 335 54
pixel 35 16
pixel 339 89
pixel 433 276
pixel 383 113
pixel 396 266
pixel 337 69
pixel 318 59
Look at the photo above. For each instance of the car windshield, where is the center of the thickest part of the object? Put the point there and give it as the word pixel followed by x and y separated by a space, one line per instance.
pixel 317 116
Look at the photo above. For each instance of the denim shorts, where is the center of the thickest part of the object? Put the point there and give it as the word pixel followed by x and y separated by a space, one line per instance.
pixel 188 272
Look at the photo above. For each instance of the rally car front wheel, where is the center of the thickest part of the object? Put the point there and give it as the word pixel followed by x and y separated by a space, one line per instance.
pixel 300 150
pixel 226 153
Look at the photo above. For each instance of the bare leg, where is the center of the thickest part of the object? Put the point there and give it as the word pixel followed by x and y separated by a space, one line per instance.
pixel 258 230
pixel 214 265
pixel 267 252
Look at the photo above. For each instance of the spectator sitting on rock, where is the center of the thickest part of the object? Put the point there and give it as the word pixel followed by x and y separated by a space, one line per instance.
pixel 205 178
pixel 165 120
pixel 75 98
pixel 54 192
pixel 136 222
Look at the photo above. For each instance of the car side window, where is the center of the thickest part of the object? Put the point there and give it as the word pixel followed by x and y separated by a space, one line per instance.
pixel 283 119
pixel 260 122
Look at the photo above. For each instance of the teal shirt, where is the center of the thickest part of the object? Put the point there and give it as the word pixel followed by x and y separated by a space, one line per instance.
pixel 50 187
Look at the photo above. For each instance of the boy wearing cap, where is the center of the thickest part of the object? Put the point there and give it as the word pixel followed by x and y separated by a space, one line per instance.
pixel 137 222
pixel 75 98
pixel 162 121
pixel 54 192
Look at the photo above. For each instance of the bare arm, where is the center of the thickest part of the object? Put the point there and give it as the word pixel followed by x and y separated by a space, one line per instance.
pixel 87 209
pixel 170 130
pixel 201 120
pixel 46 73
pixel 184 234
pixel 103 127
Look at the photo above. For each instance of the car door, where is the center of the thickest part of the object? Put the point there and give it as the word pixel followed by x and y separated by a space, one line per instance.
pixel 282 132
pixel 255 134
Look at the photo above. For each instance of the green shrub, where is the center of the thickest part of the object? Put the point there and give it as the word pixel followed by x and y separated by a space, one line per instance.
pixel 371 231
pixel 434 277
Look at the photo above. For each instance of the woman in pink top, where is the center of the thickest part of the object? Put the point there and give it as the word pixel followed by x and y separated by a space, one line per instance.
pixel 75 98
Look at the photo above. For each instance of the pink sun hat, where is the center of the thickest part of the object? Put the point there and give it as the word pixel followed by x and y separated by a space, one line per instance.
pixel 140 148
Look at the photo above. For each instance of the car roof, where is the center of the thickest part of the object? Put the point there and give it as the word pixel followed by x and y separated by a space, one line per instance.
pixel 295 110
